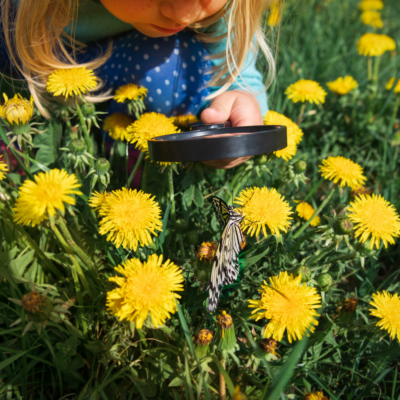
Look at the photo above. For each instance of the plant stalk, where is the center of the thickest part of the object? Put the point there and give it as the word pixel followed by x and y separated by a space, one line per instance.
pixel 376 69
pixel 222 385
pixel 369 68
pixel 25 151
pixel 171 194
pixel 303 107
pixel 83 126
pixel 135 169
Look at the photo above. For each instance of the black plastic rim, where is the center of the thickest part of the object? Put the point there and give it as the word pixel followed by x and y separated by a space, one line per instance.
pixel 197 145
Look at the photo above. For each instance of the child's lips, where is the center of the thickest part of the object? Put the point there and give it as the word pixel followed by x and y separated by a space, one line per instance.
pixel 165 30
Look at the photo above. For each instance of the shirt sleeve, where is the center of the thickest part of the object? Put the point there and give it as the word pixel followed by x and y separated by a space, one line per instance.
pixel 250 78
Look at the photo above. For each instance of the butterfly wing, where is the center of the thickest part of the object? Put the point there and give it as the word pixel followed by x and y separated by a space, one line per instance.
pixel 224 268
pixel 221 209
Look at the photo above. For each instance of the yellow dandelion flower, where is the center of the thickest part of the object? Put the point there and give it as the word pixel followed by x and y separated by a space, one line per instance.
pixel 71 81
pixel 366 5
pixel 374 216
pixel 207 251
pixel 274 15
pixel 116 125
pixel 372 18
pixel 388 310
pixel 182 121
pixel 306 90
pixel 374 44
pixel 145 289
pixel 315 396
pixel 294 133
pixel 17 110
pixel 390 84
pixel 149 126
pixel 262 208
pixel 130 92
pixel 129 217
pixel 344 171
pixel 342 86
pixel 97 200
pixel 287 305
pixel 3 168
pixel 45 196
pixel 306 211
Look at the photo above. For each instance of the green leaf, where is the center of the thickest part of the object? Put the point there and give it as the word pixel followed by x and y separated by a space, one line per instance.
pixel 7 256
pixel 10 360
pixel 286 372
pixel 48 143
pixel 165 223
pixel 177 381
pixel 17 266
pixel 252 260
pixel 228 380
pixel 188 195
pixel 198 198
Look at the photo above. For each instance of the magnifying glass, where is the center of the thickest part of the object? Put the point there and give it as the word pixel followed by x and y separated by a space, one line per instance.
pixel 217 142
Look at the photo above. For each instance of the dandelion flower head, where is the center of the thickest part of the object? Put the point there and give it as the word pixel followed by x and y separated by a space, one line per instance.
pixel 367 5
pixel 306 211
pixel 207 251
pixel 287 305
pixel 116 125
pixel 97 200
pixel 149 126
pixel 315 396
pixel 129 217
pixel 342 170
pixel 274 15
pixel 262 208
pixel 44 196
pixel 3 168
pixel 17 110
pixel 182 121
pixel 71 81
pixel 130 92
pixel 294 134
pixel 342 86
pixel 306 90
pixel 390 84
pixel 146 288
pixel 374 44
pixel 372 18
pixel 376 218
pixel 387 308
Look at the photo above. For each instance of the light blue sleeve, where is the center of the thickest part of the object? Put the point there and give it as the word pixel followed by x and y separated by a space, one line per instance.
pixel 250 78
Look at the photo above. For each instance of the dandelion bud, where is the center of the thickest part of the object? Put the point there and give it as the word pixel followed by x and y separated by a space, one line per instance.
pixel 88 110
pixel 300 167
pixel 77 146
pixel 36 306
pixel 305 273
pixel 324 281
pixel 182 225
pixel 203 340
pixel 206 251
pixel 102 166
pixel 238 395
pixel 227 338
pixel 343 226
pixel 192 237
pixel 17 111
pixel 269 346
pixel 350 305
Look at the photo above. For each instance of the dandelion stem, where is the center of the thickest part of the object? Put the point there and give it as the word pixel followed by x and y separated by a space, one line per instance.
pixel 25 151
pixel 305 225
pixel 144 175
pixel 369 68
pixel 171 194
pixel 303 106
pixel 222 386
pixel 70 241
pixel 84 128
pixel 376 69
pixel 135 169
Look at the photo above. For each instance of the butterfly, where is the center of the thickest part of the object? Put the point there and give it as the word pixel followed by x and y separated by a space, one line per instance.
pixel 225 266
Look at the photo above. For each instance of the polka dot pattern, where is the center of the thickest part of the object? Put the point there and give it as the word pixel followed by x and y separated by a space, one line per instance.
pixel 171 68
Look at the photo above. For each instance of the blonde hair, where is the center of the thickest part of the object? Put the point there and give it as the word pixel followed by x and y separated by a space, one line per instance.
pixel 38 44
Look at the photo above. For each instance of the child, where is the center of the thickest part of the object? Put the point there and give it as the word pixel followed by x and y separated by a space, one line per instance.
pixel 194 56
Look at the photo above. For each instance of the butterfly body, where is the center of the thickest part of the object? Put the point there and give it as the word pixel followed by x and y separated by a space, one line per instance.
pixel 225 266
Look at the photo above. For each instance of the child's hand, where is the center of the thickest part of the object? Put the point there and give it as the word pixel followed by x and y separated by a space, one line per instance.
pixel 241 109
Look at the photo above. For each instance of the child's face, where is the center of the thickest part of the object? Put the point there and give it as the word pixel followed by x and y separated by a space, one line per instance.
pixel 157 18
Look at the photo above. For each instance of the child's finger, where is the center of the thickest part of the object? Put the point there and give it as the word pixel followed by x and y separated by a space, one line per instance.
pixel 220 108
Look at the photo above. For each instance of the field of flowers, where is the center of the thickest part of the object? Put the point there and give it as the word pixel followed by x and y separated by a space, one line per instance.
pixel 103 290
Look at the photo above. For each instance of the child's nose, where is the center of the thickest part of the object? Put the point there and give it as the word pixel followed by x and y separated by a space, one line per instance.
pixel 183 12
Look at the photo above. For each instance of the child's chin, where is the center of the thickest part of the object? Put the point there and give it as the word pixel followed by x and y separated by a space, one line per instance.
pixel 148 30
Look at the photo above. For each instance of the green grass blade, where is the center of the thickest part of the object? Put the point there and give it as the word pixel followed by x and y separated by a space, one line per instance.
pixel 228 380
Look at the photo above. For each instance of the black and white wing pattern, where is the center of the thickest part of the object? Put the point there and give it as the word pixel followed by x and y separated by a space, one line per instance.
pixel 225 267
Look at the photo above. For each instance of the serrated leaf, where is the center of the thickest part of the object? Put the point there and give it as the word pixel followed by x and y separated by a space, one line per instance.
pixel 48 143
pixel 188 195
pixel 17 266
pixel 198 198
